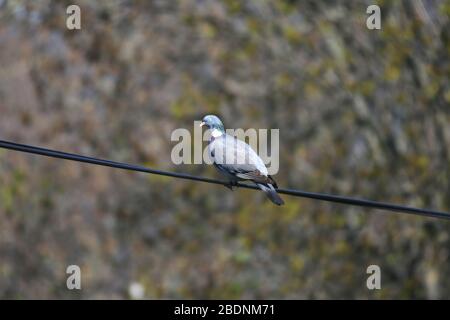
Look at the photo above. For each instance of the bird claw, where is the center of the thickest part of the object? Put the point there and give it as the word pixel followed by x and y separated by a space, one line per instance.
pixel 230 185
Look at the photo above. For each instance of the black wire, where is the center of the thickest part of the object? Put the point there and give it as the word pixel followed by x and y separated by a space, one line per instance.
pixel 297 193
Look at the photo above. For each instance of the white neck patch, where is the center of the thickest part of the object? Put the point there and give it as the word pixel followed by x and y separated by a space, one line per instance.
pixel 216 133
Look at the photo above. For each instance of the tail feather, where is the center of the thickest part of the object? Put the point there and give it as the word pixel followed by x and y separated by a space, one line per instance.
pixel 271 193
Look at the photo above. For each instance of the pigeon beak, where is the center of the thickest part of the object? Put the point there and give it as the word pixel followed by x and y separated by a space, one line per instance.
pixel 202 124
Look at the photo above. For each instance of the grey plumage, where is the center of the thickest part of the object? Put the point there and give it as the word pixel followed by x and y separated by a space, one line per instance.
pixel 238 161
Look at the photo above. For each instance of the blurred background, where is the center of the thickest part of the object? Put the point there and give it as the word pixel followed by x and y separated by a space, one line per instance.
pixel 361 113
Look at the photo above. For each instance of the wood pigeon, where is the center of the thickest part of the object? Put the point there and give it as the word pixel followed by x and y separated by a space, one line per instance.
pixel 237 160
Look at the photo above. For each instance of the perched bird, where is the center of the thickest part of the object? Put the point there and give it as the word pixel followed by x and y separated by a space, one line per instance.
pixel 237 160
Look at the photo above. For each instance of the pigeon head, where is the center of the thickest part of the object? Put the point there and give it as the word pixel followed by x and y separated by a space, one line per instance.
pixel 212 122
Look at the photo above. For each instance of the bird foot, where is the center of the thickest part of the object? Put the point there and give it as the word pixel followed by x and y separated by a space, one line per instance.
pixel 230 185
